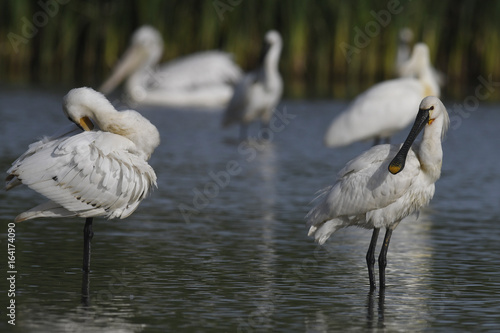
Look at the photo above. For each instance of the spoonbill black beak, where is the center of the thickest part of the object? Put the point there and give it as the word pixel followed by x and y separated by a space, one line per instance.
pixel 398 162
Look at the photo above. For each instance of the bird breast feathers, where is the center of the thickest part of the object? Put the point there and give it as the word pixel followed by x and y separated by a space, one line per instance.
pixel 365 184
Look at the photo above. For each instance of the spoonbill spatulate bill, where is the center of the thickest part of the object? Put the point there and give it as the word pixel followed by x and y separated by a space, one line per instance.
pixel 387 107
pixel 383 185
pixel 89 172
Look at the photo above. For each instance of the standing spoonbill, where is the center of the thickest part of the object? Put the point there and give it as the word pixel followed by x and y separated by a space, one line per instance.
pixel 387 107
pixel 383 185
pixel 405 38
pixel 89 173
pixel 258 93
pixel 203 79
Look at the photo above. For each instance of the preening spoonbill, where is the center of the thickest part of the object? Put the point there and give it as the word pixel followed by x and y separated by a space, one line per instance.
pixel 203 79
pixel 88 172
pixel 258 93
pixel 384 185
pixel 387 107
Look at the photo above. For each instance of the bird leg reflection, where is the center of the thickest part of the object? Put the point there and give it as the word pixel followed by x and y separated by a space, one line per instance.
pixel 370 258
pixel 382 259
pixel 370 309
pixel 243 132
pixel 87 238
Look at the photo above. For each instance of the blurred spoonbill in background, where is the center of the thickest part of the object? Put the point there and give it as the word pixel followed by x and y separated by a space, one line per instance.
pixel 383 185
pixel 204 79
pixel 405 38
pixel 88 172
pixel 386 108
pixel 410 67
pixel 259 92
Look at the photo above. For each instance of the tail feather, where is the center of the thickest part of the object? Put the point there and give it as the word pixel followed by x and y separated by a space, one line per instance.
pixel 12 181
pixel 47 209
pixel 323 231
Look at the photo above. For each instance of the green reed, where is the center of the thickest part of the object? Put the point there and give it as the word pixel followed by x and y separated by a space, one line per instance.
pixel 80 43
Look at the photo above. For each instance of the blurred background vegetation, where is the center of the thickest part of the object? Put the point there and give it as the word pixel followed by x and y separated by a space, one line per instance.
pixel 81 40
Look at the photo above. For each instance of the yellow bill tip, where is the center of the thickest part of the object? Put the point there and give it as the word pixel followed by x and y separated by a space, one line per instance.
pixel 394 169
pixel 86 124
pixel 430 121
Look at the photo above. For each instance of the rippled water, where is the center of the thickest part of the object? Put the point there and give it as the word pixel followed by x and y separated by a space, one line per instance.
pixel 221 245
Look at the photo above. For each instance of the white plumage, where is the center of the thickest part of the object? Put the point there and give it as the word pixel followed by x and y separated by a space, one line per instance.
pixel 405 38
pixel 203 79
pixel 93 172
pixel 387 107
pixel 367 195
pixel 258 93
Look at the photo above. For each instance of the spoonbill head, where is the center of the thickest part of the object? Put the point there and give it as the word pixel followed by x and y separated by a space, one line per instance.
pixel 405 39
pixel 203 79
pixel 145 50
pixel 258 93
pixel 88 172
pixel 419 64
pixel 384 185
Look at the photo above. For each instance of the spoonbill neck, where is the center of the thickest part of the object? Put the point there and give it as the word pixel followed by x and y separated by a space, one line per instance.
pixel 85 102
pixel 428 79
pixel 272 58
pixel 430 150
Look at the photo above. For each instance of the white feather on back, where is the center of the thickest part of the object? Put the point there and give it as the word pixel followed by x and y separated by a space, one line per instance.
pixel 88 174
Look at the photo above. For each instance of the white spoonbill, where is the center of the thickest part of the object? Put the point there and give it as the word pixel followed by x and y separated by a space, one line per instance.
pixel 259 92
pixel 203 79
pixel 384 185
pixel 410 67
pixel 89 173
pixel 387 107
pixel 405 38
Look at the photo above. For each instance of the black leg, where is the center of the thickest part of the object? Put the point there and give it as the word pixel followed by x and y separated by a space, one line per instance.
pixel 376 141
pixel 370 257
pixel 382 259
pixel 87 238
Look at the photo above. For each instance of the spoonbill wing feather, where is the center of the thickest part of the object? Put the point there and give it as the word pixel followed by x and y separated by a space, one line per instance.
pixel 381 111
pixel 91 174
pixel 200 69
pixel 364 185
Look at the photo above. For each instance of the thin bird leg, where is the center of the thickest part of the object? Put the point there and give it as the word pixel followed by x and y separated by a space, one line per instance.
pixel 370 258
pixel 376 142
pixel 382 259
pixel 87 238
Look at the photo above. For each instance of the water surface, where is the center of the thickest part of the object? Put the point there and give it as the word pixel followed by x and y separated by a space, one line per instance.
pixel 221 245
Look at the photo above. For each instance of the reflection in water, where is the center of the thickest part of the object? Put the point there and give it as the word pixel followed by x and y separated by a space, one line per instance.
pixel 371 322
pixel 85 289
pixel 79 319
pixel 409 276
pixel 244 260
pixel 262 177
pixel 264 166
